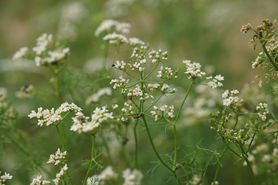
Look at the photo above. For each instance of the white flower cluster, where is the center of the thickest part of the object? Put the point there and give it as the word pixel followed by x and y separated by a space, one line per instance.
pixel 100 93
pixel 110 26
pixel 163 111
pixel 134 41
pixel 120 82
pixel 115 38
pixel 152 86
pixel 120 64
pixel 166 73
pixel 20 53
pixel 126 111
pixel 4 178
pixel 60 174
pixel 43 42
pixel 57 158
pixel 83 124
pixel 196 180
pixel 39 181
pixel 47 117
pixel 136 91
pixel 106 175
pixel 166 89
pixel 262 111
pixel 215 82
pixel 193 69
pixel 138 65
pixel 132 177
pixel 230 98
pixel 158 56
pixel 138 53
pixel 46 51
pixel 214 183
pixel 113 31
pixel 259 60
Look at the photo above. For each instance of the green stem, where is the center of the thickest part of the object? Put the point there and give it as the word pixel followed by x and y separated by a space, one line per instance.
pixel 136 143
pixel 184 99
pixel 175 127
pixel 91 161
pixel 175 146
pixel 154 148
pixel 218 166
pixel 245 157
pixel 269 57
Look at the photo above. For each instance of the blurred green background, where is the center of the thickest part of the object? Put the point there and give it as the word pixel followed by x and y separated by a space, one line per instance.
pixel 205 31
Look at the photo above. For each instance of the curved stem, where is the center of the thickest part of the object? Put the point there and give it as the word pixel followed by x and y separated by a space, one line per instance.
pixel 245 157
pixel 154 148
pixel 269 57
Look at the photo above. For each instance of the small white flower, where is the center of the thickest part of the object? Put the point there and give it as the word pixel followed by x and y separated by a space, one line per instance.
pixel 193 69
pixel 60 174
pixel 99 115
pixel 39 181
pixel 215 82
pixel 43 43
pixel 47 117
pixel 166 89
pixel 263 111
pixel 135 41
pixel 109 26
pixel 120 82
pixel 166 73
pixel 132 177
pixel 108 174
pixel 163 111
pixel 57 55
pixel 230 98
pixel 120 65
pixel 57 158
pixel 158 56
pixel 115 38
pixel 136 91
pixel 20 53
pixel 4 177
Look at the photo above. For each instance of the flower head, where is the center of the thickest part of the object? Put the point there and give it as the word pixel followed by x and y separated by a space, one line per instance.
pixel 193 69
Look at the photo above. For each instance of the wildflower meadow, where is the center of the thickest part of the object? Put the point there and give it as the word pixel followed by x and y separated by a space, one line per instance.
pixel 130 92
